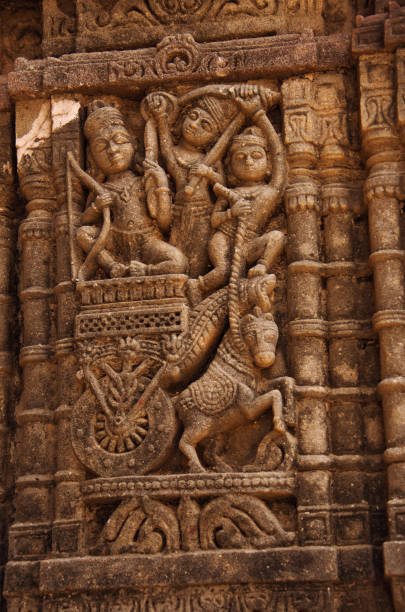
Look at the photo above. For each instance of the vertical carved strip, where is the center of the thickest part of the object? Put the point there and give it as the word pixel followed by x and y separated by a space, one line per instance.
pixel 307 328
pixel 337 197
pixel 29 537
pixel 7 246
pixel 382 147
pixel 341 200
pixel 58 27
pixel 66 136
pixel 381 143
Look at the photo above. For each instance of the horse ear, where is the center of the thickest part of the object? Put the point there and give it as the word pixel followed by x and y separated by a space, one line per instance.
pixel 258 312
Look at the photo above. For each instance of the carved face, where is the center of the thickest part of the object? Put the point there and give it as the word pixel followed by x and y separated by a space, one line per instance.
pixel 112 149
pixel 198 128
pixel 260 335
pixel 249 163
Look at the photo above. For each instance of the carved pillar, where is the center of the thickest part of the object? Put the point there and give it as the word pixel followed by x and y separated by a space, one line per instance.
pixel 307 327
pixel 382 147
pixel 348 325
pixel 66 136
pixel 337 197
pixel 30 533
pixel 7 246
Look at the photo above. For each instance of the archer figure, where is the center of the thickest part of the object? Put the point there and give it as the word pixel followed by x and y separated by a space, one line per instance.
pixel 132 243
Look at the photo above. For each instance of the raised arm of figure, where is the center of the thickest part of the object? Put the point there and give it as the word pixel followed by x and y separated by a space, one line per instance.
pixel 159 196
pixel 252 100
pixel 277 152
pixel 157 105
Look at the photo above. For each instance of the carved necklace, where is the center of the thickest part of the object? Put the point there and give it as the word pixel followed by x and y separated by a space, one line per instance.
pixel 125 192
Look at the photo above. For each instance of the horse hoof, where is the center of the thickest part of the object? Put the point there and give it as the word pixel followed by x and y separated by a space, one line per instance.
pixel 196 469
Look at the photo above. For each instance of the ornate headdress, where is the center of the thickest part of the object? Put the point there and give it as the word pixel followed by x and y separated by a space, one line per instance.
pixel 217 111
pixel 250 136
pixel 101 115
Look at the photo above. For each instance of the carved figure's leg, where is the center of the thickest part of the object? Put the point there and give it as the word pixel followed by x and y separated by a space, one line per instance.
pixel 263 402
pixel 163 258
pixel 278 417
pixel 214 448
pixel 265 250
pixel 187 444
pixel 220 254
pixel 86 236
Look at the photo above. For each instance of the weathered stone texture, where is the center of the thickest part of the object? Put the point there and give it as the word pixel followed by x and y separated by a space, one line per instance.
pixel 202 384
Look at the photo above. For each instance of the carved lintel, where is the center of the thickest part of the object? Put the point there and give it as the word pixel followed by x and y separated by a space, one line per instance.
pixel 90 26
pixel 135 69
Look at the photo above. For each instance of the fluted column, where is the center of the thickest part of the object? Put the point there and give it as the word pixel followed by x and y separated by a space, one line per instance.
pixel 67 536
pixel 7 317
pixel 35 442
pixel 307 327
pixel 381 145
pixel 350 403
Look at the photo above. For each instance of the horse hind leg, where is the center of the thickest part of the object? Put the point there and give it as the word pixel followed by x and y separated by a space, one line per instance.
pixel 262 403
pixel 212 454
pixel 187 444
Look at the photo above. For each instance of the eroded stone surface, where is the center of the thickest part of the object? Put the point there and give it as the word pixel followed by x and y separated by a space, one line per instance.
pixel 208 275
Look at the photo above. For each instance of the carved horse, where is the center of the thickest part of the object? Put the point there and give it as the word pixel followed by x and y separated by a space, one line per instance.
pixel 226 395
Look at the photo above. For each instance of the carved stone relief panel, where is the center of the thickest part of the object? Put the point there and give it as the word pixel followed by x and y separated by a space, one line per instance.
pixel 104 24
pixel 203 327
pixel 174 260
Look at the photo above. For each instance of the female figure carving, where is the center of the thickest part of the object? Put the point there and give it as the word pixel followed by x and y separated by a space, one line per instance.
pixel 200 128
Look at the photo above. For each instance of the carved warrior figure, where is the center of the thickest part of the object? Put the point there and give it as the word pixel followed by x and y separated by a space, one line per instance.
pixel 251 203
pixel 127 415
pixel 133 244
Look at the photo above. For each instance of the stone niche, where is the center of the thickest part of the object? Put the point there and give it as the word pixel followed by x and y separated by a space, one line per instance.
pixel 202 349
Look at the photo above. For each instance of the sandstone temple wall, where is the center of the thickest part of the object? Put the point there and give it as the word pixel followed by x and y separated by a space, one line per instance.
pixel 202 305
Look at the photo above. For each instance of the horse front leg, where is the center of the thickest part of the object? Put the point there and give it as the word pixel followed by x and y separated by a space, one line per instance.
pixel 271 399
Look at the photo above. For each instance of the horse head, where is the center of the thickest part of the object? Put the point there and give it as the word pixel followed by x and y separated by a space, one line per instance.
pixel 260 334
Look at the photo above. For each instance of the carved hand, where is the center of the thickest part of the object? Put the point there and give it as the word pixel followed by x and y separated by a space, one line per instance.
pixel 200 170
pixel 104 200
pixel 153 170
pixel 157 105
pixel 137 268
pixel 247 98
pixel 242 208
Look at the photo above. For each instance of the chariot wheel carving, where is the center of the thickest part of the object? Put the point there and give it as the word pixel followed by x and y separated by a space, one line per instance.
pixel 123 445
